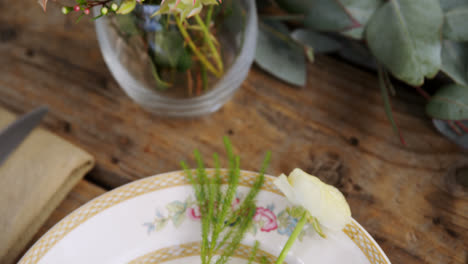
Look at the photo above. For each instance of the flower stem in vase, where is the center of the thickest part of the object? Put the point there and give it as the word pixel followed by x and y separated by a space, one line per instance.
pixel 209 15
pixel 194 48
pixel 209 41
pixel 292 238
pixel 204 77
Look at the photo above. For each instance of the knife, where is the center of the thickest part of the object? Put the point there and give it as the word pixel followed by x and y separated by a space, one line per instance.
pixel 12 136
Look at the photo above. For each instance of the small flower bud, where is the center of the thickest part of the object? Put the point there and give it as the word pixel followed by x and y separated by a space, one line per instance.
pixel 114 7
pixel 104 10
pixel 77 8
pixel 87 11
pixel 66 9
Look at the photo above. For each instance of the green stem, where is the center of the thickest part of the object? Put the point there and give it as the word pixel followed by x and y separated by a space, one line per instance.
pixel 204 77
pixel 209 15
pixel 253 254
pixel 208 41
pixel 292 238
pixel 192 27
pixel 192 45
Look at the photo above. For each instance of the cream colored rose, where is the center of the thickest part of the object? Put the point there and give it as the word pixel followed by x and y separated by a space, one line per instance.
pixel 323 201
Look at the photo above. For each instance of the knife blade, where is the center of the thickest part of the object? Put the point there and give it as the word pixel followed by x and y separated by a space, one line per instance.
pixel 15 133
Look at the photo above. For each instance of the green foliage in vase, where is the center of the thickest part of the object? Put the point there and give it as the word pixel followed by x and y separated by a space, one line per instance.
pixel 180 36
pixel 223 227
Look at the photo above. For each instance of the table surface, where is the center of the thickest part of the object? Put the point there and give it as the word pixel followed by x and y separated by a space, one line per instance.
pixel 407 197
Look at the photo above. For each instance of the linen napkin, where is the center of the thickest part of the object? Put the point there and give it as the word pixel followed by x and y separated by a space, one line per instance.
pixel 33 182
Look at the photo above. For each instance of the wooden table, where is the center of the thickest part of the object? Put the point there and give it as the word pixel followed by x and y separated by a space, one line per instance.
pixel 408 198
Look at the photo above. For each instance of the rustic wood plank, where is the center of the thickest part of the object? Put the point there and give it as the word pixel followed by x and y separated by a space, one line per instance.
pixel 408 198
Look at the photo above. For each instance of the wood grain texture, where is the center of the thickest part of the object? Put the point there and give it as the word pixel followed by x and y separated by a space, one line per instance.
pixel 409 198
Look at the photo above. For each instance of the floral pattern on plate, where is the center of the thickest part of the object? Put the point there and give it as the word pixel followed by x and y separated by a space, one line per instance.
pixel 265 219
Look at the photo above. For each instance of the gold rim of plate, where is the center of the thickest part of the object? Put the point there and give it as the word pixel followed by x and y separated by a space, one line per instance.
pixel 169 180
pixel 194 249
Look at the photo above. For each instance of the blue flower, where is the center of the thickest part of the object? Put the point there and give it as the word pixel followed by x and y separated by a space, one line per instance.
pixel 287 223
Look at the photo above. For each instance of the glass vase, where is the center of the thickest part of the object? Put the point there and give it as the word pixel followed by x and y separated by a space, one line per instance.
pixel 167 67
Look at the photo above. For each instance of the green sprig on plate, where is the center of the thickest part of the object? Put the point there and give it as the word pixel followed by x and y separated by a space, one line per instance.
pixel 225 226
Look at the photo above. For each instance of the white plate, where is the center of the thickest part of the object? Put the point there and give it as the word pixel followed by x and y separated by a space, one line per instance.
pixel 154 220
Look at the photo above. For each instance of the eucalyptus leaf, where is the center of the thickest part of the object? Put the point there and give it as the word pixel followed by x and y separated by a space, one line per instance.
pixel 328 15
pixel 456 13
pixel 449 103
pixel 451 4
pixel 281 56
pixel 321 15
pixel 445 128
pixel 295 6
pixel 277 26
pixel 319 42
pixel 361 10
pixel 354 33
pixel 404 35
pixel 262 4
pixel 455 61
pixel 455 24
pixel 234 19
pixel 357 53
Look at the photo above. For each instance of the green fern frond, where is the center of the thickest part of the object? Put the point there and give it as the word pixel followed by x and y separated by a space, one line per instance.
pixel 241 227
pixel 223 228
pixel 256 187
pixel 234 173
pixel 217 180
pixel 253 254
pixel 203 204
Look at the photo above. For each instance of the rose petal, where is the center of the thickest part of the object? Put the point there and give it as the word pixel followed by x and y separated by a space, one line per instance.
pixel 323 201
pixel 335 213
pixel 285 187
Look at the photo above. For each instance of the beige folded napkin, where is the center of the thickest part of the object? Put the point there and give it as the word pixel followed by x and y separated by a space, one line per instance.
pixel 33 182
